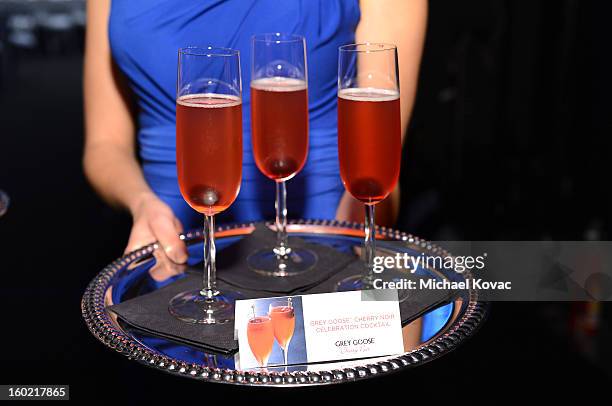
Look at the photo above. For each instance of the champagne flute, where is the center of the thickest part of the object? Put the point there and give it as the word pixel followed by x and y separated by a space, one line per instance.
pixel 4 203
pixel 209 162
pixel 283 320
pixel 260 335
pixel 279 122
pixel 369 135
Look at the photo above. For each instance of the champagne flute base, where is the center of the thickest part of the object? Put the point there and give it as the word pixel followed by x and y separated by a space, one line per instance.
pixel 4 203
pixel 360 282
pixel 267 262
pixel 355 282
pixel 193 307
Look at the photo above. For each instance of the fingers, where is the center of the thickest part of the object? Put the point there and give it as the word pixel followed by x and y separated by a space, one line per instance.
pixel 154 221
pixel 178 226
pixel 166 230
pixel 140 236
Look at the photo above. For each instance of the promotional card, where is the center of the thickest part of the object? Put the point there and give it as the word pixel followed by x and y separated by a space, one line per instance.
pixel 305 329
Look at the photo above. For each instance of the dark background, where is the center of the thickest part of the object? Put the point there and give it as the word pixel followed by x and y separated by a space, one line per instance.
pixel 508 141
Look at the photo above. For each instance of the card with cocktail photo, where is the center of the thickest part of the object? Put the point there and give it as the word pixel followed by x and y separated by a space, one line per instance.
pixel 314 328
pixel 271 332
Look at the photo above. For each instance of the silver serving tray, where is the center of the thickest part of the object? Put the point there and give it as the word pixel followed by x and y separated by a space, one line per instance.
pixel 428 337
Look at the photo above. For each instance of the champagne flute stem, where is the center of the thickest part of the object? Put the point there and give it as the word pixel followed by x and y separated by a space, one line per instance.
pixel 369 244
pixel 282 247
pixel 285 356
pixel 209 288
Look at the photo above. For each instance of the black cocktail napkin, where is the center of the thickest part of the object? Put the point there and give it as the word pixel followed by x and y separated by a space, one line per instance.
pixel 232 266
pixel 414 303
pixel 150 313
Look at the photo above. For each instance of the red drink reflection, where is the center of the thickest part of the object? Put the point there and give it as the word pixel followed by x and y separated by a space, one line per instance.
pixel 279 115
pixel 369 142
pixel 209 150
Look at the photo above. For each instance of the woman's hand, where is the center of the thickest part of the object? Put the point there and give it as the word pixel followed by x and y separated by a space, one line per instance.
pixel 154 221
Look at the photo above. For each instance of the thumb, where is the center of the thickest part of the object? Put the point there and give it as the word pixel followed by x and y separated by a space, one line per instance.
pixel 167 234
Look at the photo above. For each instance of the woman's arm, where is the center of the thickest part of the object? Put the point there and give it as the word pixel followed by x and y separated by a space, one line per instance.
pixel 109 158
pixel 403 23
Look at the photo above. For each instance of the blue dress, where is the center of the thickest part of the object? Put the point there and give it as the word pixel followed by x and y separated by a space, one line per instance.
pixel 145 36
